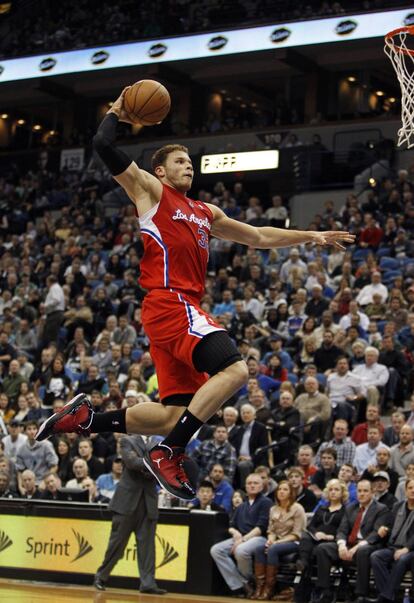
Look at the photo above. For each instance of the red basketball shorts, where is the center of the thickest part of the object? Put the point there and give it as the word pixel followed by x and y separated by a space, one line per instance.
pixel 174 325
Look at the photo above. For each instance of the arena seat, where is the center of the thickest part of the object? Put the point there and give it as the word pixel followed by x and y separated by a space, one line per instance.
pixel 387 263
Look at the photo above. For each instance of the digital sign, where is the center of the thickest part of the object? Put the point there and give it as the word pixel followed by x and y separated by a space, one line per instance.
pixel 180 48
pixel 239 162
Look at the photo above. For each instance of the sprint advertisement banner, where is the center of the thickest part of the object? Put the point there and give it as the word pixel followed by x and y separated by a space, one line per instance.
pixel 78 545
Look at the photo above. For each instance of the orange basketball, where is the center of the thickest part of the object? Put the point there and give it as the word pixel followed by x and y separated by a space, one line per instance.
pixel 147 102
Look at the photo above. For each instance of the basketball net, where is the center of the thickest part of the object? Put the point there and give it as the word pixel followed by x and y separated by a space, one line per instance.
pixel 402 59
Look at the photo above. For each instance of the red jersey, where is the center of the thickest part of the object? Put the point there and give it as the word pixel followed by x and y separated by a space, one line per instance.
pixel 175 233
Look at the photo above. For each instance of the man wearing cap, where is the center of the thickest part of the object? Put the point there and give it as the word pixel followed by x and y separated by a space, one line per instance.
pixel 381 485
pixel 14 440
pixel 365 296
pixel 135 509
pixel 108 482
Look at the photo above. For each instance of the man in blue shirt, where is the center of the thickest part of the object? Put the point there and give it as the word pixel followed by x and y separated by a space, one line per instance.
pixel 247 530
pixel 107 482
pixel 223 491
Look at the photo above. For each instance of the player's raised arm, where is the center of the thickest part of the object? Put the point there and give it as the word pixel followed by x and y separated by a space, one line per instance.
pixel 266 237
pixel 142 187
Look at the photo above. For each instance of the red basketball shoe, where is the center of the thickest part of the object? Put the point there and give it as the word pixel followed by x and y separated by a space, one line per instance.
pixel 166 465
pixel 76 416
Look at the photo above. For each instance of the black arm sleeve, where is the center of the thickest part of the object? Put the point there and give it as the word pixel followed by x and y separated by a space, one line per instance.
pixel 103 142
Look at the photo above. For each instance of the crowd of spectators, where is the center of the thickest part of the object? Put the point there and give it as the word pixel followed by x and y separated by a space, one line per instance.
pixel 53 27
pixel 328 337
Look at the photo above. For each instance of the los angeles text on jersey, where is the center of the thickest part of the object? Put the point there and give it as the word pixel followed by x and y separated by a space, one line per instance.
pixel 179 215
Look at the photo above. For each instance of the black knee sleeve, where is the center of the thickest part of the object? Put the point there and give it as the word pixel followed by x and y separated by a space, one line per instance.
pixel 214 353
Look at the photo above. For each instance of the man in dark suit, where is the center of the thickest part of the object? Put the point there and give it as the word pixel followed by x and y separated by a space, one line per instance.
pixel 391 563
pixel 251 436
pixel 135 509
pixel 356 539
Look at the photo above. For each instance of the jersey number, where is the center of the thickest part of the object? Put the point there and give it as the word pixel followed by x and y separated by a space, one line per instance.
pixel 203 239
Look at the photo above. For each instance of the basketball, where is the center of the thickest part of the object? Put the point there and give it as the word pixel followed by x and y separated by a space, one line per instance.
pixel 147 102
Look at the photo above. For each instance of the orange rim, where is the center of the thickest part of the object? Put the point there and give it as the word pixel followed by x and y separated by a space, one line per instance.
pixel 392 44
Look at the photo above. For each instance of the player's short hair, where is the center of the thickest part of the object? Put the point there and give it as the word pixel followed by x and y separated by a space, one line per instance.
pixel 160 156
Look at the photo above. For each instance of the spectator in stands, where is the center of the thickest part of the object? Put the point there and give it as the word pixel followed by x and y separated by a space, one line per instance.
pixel 217 450
pixel 374 376
pixel 286 425
pixel 27 487
pixel 249 438
pixel 314 409
pixel 85 449
pixel 63 451
pixel 303 496
pixel 305 461
pixel 317 303
pixel 223 491
pixel 294 262
pixel 365 296
pixel 124 333
pixel 381 485
pixel 371 235
pixel 54 308
pixel 267 384
pixel 80 470
pixel 344 446
pixel 400 490
pixel 327 324
pixel 366 453
pixel 382 463
pixel 397 366
pixel 205 498
pixel 5 490
pixel 392 433
pixel 344 389
pixel 287 521
pixel 7 350
pixel 390 564
pixel 257 398
pixel 12 381
pixel 360 431
pixel 403 453
pixel 91 381
pixel 327 354
pixel 230 417
pixel 55 381
pixel 106 483
pixel 103 356
pixel 269 484
pixel 14 440
pixel 347 474
pixel 327 471
pixel 52 484
pixel 248 527
pixel 40 457
pixel 323 527
pixel 26 339
pixel 354 311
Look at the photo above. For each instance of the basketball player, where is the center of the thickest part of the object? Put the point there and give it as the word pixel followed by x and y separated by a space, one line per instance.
pixel 196 362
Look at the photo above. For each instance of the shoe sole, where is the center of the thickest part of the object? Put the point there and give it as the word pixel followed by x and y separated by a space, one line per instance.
pixel 164 484
pixel 48 424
